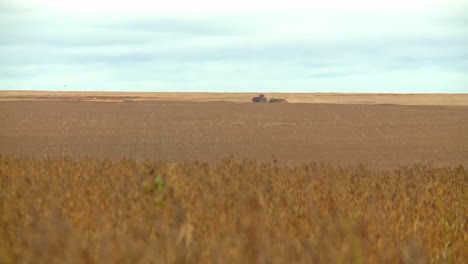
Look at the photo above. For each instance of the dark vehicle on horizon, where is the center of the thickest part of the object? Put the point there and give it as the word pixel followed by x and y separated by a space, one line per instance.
pixel 259 99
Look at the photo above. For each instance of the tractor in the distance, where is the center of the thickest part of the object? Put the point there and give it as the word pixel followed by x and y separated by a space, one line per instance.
pixel 260 99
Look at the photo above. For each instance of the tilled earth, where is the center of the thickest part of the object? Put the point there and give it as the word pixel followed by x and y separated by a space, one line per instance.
pixel 378 135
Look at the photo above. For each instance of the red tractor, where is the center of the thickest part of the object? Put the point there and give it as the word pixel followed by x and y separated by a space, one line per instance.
pixel 260 99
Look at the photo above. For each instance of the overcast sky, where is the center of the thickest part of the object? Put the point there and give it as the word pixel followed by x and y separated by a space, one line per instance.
pixel 408 46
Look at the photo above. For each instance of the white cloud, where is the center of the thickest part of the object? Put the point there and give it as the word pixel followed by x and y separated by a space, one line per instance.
pixel 361 46
pixel 210 7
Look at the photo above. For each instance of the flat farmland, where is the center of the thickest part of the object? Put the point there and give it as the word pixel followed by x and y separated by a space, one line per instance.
pixel 119 178
pixel 381 135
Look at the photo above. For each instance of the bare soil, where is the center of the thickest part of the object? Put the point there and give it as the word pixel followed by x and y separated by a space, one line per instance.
pixel 377 130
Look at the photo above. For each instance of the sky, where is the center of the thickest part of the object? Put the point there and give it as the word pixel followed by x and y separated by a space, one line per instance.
pixel 359 46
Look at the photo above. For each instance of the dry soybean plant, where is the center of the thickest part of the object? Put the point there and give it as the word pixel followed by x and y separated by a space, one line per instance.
pixel 230 211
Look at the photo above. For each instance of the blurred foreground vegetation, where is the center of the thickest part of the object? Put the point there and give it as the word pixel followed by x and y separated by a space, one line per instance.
pixel 232 211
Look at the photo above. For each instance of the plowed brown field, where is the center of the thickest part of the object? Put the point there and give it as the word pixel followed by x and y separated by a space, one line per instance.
pixel 374 134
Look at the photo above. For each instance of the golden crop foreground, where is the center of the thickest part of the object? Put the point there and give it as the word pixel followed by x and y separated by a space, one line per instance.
pixel 232 211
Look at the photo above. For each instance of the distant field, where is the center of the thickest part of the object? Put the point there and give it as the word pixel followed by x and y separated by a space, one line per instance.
pixel 320 98
pixel 378 135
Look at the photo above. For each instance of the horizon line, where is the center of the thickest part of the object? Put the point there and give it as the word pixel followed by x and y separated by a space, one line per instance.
pixel 230 92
